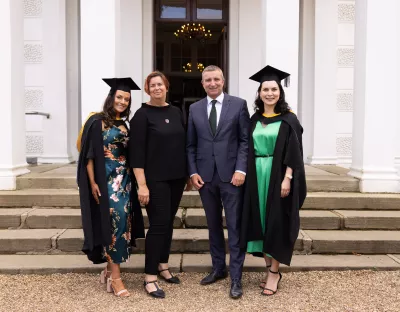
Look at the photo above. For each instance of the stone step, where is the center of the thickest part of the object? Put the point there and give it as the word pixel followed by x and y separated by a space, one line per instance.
pixel 51 264
pixel 195 218
pixel 55 218
pixel 196 241
pixel 360 242
pixel 71 240
pixel 310 219
pixel 28 240
pixel 370 220
pixel 315 183
pixel 315 200
pixel 183 240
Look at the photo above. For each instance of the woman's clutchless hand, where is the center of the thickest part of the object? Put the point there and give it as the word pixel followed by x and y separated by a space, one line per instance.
pixel 143 194
pixel 285 187
pixel 95 192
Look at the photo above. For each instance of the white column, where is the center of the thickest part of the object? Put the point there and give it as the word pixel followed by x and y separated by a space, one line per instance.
pixel 136 34
pixel 13 155
pixel 280 41
pixel 249 54
pixel 55 142
pixel 376 95
pixel 100 29
pixel 397 159
pixel 148 45
pixel 73 75
pixel 318 79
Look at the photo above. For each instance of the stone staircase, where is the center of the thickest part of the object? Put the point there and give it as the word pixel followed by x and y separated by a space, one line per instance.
pixel 40 226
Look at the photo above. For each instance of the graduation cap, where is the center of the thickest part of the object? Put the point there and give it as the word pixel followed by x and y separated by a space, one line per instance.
pixel 269 73
pixel 123 84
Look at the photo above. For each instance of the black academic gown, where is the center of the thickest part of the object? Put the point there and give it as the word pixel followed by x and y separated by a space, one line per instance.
pixel 96 218
pixel 282 217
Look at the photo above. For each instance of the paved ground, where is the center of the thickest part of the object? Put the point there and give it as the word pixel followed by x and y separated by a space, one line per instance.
pixel 301 291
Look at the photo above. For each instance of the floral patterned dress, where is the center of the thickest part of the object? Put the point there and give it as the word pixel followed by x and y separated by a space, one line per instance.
pixel 119 186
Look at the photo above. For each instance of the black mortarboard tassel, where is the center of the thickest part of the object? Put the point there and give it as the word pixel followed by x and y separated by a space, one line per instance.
pixel 269 73
pixel 123 84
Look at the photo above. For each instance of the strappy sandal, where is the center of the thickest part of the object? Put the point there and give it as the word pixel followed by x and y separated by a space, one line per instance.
pixel 104 275
pixel 171 280
pixel 277 285
pixel 158 293
pixel 111 288
pixel 264 282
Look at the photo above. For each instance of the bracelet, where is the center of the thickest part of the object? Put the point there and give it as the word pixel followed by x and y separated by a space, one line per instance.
pixel 288 176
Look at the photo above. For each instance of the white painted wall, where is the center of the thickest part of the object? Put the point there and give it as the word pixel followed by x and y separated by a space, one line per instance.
pixel 55 136
pixel 34 76
pixel 345 73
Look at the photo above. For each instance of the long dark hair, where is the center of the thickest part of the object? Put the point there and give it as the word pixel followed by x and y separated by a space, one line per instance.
pixel 108 112
pixel 281 106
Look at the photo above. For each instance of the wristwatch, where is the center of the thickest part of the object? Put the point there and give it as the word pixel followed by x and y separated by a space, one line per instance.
pixel 289 176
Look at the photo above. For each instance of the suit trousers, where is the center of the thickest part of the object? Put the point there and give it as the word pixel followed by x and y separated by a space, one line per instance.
pixel 215 196
pixel 165 197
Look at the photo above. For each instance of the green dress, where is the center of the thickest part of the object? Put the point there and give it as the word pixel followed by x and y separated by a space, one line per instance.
pixel 264 144
pixel 118 178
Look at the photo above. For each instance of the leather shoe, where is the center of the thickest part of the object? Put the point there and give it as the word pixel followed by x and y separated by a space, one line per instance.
pixel 236 289
pixel 213 277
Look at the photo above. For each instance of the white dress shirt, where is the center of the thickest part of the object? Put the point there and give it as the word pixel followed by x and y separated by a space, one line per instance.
pixel 218 107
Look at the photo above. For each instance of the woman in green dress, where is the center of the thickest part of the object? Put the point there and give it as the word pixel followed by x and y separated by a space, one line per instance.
pixel 111 214
pixel 275 183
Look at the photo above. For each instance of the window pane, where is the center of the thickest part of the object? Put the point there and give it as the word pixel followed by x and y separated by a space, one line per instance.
pixel 173 9
pixel 209 9
pixel 159 49
pixel 177 64
pixel 177 49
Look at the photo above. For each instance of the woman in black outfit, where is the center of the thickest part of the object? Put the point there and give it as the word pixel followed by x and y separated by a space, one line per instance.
pixel 158 158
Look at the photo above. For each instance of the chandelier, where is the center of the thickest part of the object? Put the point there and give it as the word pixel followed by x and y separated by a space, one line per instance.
pixel 188 67
pixel 193 31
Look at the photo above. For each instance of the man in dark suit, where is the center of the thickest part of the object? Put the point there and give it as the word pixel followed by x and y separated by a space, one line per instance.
pixel 217 147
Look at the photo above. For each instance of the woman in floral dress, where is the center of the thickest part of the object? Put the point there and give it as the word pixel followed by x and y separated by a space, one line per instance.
pixel 105 186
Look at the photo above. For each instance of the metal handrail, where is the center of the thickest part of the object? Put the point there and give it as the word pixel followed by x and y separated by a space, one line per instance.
pixel 47 115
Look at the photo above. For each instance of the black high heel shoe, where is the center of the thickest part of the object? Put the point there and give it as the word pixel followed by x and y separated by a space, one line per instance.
pixel 172 279
pixel 158 293
pixel 277 285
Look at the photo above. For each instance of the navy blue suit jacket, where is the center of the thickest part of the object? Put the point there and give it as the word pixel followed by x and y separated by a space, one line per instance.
pixel 227 150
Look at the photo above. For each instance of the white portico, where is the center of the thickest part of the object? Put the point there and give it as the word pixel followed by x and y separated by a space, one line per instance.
pixel 55 52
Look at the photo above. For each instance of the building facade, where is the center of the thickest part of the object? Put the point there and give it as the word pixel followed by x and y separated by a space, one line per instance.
pixel 342 56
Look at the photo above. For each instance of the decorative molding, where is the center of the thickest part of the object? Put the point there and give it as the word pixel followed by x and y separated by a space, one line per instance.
pixel 344 101
pixel 344 146
pixel 346 13
pixel 33 99
pixel 345 57
pixel 34 144
pixel 33 8
pixel 33 53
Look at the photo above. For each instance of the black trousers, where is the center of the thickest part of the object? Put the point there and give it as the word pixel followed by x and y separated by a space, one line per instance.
pixel 165 197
